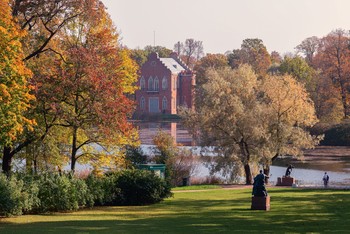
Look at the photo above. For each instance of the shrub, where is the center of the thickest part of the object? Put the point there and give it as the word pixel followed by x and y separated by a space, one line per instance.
pixel 10 196
pixel 30 193
pixel 102 190
pixel 112 193
pixel 338 135
pixel 61 193
pixel 140 187
pixel 80 195
pixel 54 192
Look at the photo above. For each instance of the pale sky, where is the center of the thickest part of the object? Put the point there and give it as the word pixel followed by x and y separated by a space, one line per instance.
pixel 222 25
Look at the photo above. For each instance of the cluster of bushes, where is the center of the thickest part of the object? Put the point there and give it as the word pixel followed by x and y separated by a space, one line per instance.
pixel 337 135
pixel 23 194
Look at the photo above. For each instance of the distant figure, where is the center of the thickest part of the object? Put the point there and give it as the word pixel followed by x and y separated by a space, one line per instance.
pixel 259 189
pixel 289 170
pixel 325 179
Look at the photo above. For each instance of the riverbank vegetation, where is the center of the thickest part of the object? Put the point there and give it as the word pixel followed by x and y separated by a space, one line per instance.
pixel 25 194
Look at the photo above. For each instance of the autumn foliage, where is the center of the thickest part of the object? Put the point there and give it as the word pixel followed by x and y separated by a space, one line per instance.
pixel 81 78
pixel 15 94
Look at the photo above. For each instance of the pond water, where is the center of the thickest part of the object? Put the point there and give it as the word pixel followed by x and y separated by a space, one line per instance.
pixel 307 171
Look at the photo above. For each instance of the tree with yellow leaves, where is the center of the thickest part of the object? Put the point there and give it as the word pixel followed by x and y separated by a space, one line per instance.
pixel 289 111
pixel 15 94
pixel 250 120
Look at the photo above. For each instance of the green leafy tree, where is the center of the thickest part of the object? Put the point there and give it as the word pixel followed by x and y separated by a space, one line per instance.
pixel 299 69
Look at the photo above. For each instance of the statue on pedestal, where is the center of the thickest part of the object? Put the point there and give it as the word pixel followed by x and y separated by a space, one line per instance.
pixel 289 170
pixel 259 189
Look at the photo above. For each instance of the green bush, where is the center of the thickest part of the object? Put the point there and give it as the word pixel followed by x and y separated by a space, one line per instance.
pixel 112 193
pixel 94 185
pixel 53 192
pixel 30 191
pixel 80 193
pixel 128 187
pixel 61 193
pixel 140 187
pixel 11 200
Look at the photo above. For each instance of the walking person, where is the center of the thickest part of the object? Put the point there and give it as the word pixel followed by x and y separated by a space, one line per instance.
pixel 325 179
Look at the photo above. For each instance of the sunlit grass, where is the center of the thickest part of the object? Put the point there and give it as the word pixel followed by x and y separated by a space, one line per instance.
pixel 208 211
pixel 196 187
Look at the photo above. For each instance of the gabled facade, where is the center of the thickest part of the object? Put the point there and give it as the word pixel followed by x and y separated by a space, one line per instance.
pixel 164 84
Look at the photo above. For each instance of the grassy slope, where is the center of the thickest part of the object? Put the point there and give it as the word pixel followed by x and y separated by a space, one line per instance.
pixel 211 211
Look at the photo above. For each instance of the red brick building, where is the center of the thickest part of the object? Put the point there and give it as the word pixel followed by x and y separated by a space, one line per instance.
pixel 164 84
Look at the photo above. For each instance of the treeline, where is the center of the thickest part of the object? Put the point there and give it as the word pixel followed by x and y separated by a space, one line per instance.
pixel 319 63
pixel 274 106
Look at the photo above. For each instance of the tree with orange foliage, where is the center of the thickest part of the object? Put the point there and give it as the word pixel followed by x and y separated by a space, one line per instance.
pixel 89 92
pixel 252 52
pixel 333 59
pixel 15 94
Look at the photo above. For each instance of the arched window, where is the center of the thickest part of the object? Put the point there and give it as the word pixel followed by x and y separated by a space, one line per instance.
pixel 150 84
pixel 142 83
pixel 142 103
pixel 164 103
pixel 164 83
pixel 156 84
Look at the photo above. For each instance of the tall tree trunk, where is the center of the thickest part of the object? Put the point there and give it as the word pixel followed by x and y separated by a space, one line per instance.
pixel 248 174
pixel 35 162
pixel 74 150
pixel 6 160
pixel 246 159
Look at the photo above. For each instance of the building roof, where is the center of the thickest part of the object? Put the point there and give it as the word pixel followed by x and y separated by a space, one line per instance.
pixel 172 65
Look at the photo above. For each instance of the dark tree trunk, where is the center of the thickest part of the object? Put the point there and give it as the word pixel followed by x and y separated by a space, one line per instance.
pixel 35 166
pixel 6 160
pixel 248 174
pixel 74 150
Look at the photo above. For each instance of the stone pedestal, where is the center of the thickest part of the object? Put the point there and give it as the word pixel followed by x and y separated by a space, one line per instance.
pixel 260 203
pixel 285 181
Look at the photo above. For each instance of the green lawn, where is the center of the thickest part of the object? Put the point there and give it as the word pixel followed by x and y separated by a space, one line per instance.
pixel 210 211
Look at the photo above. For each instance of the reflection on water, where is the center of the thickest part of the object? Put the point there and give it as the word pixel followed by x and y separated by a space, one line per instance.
pixel 148 130
pixel 309 170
